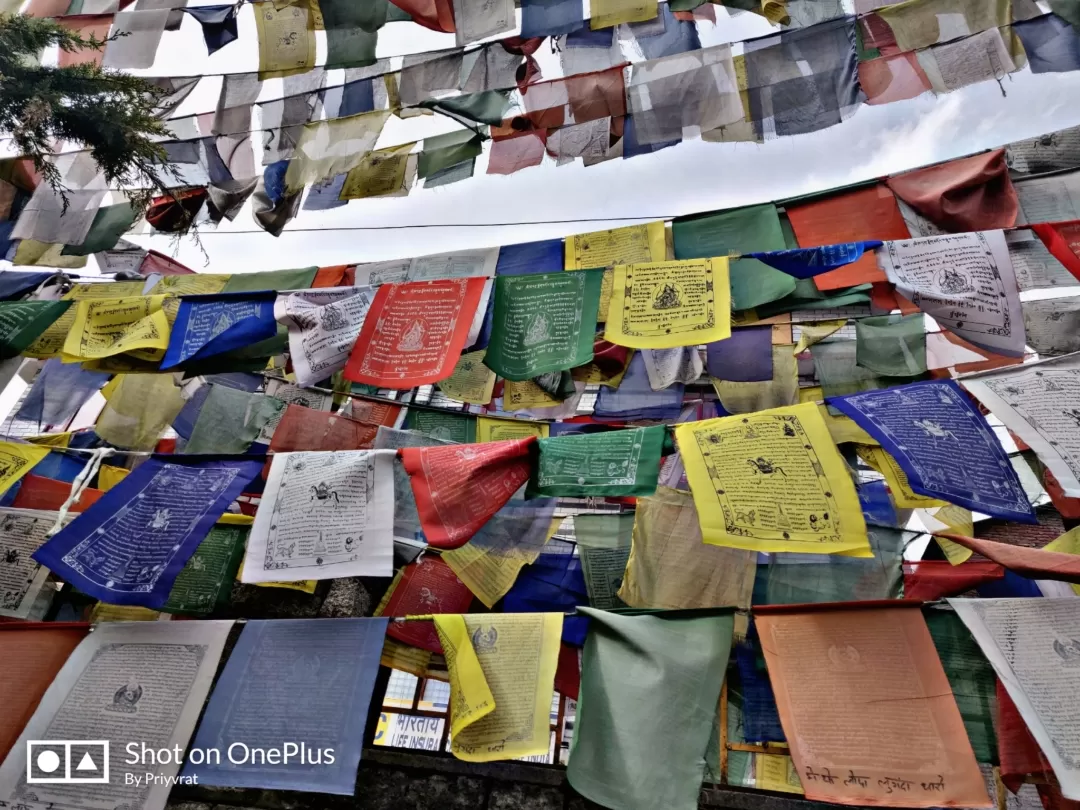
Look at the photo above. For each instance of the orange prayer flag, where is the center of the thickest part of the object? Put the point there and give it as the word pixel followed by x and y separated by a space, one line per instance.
pixel 340 275
pixel 308 429
pixel 866 707
pixel 47 494
pixel 86 26
pixel 33 653
pixel 853 216
pixel 1028 562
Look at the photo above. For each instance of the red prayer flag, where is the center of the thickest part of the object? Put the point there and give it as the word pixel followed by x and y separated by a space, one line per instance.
pixel 459 487
pixel 893 78
pixel 414 332
pixel 86 26
pixel 438 15
pixel 969 194
pixel 154 262
pixel 1062 239
pixel 568 672
pixel 374 413
pixel 48 494
pixel 426 586
pixel 303 428
pixel 1028 562
pixel 1018 752
pixel 862 214
pixel 520 151
pixel 928 580
pixel 1067 507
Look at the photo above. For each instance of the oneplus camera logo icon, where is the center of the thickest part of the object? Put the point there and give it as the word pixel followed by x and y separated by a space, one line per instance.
pixel 67 762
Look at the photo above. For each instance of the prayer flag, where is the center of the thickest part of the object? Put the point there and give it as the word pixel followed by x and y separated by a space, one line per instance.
pixel 21 322
pixel 106 327
pixel 204 584
pixel 208 325
pixel 609 464
pixel 427 586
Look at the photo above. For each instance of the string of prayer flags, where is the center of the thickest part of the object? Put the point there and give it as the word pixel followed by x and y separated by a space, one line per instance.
pixel 323 326
pixel 514 537
pixel 414 332
pixel 772 481
pixel 306 429
pixel 58 392
pixel 669 304
pixel 459 488
pixel 16 460
pixel 543 322
pixel 943 444
pixel 1034 401
pixel 610 464
pixel 208 325
pixel 1031 645
pixel 426 586
pixel 965 281
pixel 669 565
pixel 138 410
pixel 311 679
pixel 971 678
pixel 967 194
pixel 204 584
pixel 502 676
pixel 604 547
pixel 231 420
pixel 109 326
pixel 41 650
pixel 472 381
pixel 844 741
pixel 129 547
pixel 324 515
pixel 665 720
pixel 1032 563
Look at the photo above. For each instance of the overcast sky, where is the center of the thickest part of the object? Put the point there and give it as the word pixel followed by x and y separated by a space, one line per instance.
pixel 691 177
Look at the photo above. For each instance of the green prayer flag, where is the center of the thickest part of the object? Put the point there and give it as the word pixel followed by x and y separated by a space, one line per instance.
pixel 487 107
pixel 612 463
pixel 110 223
pixel 543 322
pixel 204 584
pixel 1068 10
pixel 685 5
pixel 844 298
pixel 445 151
pixel 744 230
pixel 971 677
pixel 230 420
pixel 893 345
pixel 352 31
pixel 450 427
pixel 603 543
pixel 368 16
pixel 395 14
pixel 650 685
pixel 22 322
pixel 839 374
pixel 299 279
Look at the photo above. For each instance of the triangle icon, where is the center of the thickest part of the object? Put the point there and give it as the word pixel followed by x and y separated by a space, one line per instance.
pixel 86 764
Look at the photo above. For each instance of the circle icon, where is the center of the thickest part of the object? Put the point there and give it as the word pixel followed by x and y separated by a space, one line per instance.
pixel 48 761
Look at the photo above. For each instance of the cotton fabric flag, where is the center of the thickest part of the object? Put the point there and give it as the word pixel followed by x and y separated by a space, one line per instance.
pixel 498 430
pixel 218 25
pixel 604 547
pixel 780 390
pixel 635 399
pixel 745 356
pixel 414 332
pixel 323 326
pixel 610 464
pixel 475 20
pixel 426 586
pixel 669 304
pixel 892 78
pixel 472 381
pixel 406 519
pixel 128 548
pixel 299 278
pixel 1032 563
pixel 46 219
pixel 230 421
pixel 619 726
pixel 514 537
pixel 305 678
pixel 58 392
pixel 16 460
pixel 891 345
pixel 138 410
pixel 551 18
pixel 307 429
pixel 669 565
pixel 1051 44
pixel 665 367
pixel 804 263
pixel 459 488
pixel 744 470
pixel 110 223
pixel 204 585
pixel 448 427
pixel 134 39
pixel 896 478
pixel 286 40
pixel 383 173
pixel 843 741
pixel 543 322
pixel 502 676
pixel 330 148
pixel 943 444
pixel 926 23
pixel 209 325
pixel 1052 327
pixel 106 327
pixel 633 244
pixel 607 13
pixel 14 283
pixel 553 583
pixel 40 650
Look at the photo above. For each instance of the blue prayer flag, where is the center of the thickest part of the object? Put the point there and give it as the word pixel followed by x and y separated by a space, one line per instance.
pixel 554 583
pixel 14 283
pixel 1051 44
pixel 303 681
pixel 218 24
pixel 59 391
pixel 551 18
pixel 635 399
pixel 128 548
pixel 531 257
pixel 207 325
pixel 809 262
pixel 944 445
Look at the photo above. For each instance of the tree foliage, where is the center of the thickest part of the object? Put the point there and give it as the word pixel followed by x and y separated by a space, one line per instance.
pixel 111 114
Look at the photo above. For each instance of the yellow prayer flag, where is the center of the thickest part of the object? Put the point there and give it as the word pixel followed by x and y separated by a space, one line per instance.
pixel 85 290
pixel 104 612
pixel 303 585
pixel 194 284
pixel 955 519
pixel 772 481
pixel 16 460
pixel 634 244
pixel 523 395
pixel 781 390
pixel 51 439
pixel 383 173
pixel 472 381
pixel 50 343
pixel 109 326
pixel 109 476
pixel 286 40
pixel 776 772
pixel 32 253
pixel 811 333
pixel 592 374
pixel 606 13
pixel 664 305
pixel 408 659
pixel 897 480
pixel 502 677
pixel 1068 543
pixel 499 430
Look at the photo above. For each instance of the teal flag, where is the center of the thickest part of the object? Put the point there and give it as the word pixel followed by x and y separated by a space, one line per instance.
pixel 612 463
pixel 230 420
pixel 891 345
pixel 650 686
pixel 441 152
pixel 449 427
pixel 543 322
pixel 110 223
